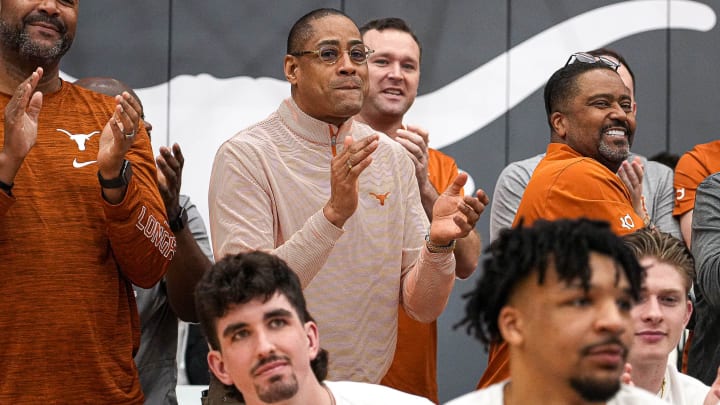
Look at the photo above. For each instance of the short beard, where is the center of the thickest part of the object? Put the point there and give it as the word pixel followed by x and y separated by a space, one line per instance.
pixel 595 390
pixel 19 41
pixel 278 390
pixel 612 155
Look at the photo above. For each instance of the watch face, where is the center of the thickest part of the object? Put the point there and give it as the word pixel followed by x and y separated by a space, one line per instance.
pixel 121 181
pixel 178 223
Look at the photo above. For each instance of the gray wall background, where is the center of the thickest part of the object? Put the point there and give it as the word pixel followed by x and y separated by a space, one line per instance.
pixel 148 43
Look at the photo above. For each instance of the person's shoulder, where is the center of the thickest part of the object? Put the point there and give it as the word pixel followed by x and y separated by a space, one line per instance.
pixel 711 147
pixel 358 393
pixel 490 396
pixel 89 97
pixel 256 136
pixel 523 168
pixel 629 395
pixel 711 182
pixel 657 169
pixel 693 389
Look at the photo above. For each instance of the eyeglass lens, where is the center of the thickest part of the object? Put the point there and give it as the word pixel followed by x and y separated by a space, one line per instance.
pixel 330 53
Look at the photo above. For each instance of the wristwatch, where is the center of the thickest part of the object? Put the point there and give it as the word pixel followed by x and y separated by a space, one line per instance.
pixel 178 223
pixel 121 181
pixel 433 248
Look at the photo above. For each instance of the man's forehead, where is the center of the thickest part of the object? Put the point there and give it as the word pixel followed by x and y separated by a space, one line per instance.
pixel 387 40
pixel 600 81
pixel 334 28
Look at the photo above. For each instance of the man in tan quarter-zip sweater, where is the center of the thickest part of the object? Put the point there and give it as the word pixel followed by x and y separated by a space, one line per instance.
pixel 339 203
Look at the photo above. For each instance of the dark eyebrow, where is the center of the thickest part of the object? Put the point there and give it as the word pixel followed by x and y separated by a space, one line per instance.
pixel 329 42
pixel 232 328
pixel 278 313
pixel 601 95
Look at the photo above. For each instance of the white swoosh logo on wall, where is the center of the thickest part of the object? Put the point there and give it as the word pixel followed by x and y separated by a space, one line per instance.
pixel 463 107
pixel 207 110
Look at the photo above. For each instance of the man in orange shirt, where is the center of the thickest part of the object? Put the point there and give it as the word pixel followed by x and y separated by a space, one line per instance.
pixel 592 123
pixel 81 219
pixel 394 72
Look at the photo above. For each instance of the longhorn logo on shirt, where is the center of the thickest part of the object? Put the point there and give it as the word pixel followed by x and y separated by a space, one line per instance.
pixel 627 222
pixel 80 140
pixel 381 197
pixel 680 193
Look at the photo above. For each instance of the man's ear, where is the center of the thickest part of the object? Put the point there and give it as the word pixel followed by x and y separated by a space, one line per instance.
pixel 311 331
pixel 290 68
pixel 688 312
pixel 558 123
pixel 217 366
pixel 511 326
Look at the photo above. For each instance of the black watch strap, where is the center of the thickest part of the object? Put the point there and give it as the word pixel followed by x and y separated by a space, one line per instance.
pixel 7 188
pixel 121 181
pixel 178 223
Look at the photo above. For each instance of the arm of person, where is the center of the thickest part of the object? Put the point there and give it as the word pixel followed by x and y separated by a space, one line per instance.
pixel 192 254
pixel 242 215
pixel 706 237
pixel 140 239
pixel 689 173
pixel 426 286
pixel 508 192
pixel 686 221
pixel 415 141
pixel 467 255
pixel 20 134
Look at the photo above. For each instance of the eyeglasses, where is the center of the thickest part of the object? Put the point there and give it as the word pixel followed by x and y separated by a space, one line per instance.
pixel 583 57
pixel 330 54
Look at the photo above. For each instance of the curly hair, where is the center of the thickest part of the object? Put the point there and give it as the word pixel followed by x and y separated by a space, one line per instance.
pixel 522 251
pixel 239 279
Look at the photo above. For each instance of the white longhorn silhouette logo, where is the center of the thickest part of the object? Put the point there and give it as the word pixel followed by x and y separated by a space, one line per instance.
pixel 80 139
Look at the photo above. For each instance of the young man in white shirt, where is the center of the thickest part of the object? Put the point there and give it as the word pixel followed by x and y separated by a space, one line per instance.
pixel 660 318
pixel 265 346
pixel 560 294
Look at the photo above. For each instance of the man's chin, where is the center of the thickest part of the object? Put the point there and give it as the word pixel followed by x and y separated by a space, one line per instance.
pixel 277 389
pixel 596 389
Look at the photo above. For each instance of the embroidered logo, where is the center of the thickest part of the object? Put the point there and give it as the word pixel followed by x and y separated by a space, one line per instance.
pixel 79 139
pixel 627 222
pixel 381 197
pixel 680 193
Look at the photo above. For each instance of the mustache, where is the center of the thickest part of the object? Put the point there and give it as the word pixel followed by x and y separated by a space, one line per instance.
pixel 344 82
pixel 613 340
pixel 44 18
pixel 267 360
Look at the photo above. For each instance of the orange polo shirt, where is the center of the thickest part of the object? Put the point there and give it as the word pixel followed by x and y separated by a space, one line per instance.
pixel 566 184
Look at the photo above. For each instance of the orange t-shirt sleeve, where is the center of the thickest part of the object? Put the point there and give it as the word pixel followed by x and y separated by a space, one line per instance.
pixel 689 173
